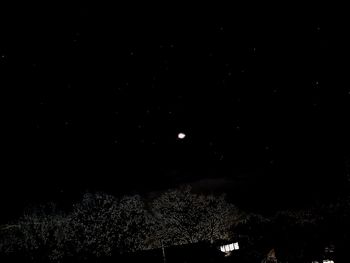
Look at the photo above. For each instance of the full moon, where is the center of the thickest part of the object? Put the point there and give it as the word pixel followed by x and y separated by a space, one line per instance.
pixel 181 135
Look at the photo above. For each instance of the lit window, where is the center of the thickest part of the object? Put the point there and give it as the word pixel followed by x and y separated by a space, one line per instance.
pixel 229 247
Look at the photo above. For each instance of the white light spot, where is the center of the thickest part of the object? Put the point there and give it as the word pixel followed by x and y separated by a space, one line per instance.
pixel 229 247
pixel 181 135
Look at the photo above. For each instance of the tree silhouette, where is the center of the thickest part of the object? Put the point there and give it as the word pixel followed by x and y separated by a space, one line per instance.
pixel 36 235
pixel 133 224
pixel 184 217
pixel 93 227
pixel 101 224
pixel 218 218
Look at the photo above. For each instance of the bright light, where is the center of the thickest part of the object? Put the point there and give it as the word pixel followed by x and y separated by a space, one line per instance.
pixel 181 135
pixel 230 247
pixel 328 261
pixel 225 248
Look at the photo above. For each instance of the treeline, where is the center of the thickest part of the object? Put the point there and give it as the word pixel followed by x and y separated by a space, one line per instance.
pixel 101 225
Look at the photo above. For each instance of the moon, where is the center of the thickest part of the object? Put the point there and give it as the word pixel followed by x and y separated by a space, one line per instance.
pixel 181 136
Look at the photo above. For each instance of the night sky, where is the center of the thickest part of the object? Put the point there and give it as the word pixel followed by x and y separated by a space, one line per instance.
pixel 94 98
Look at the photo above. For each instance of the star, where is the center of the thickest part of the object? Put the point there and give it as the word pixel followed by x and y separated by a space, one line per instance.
pixel 316 84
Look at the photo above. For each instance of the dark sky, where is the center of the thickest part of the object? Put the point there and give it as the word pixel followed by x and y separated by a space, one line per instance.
pixel 94 97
